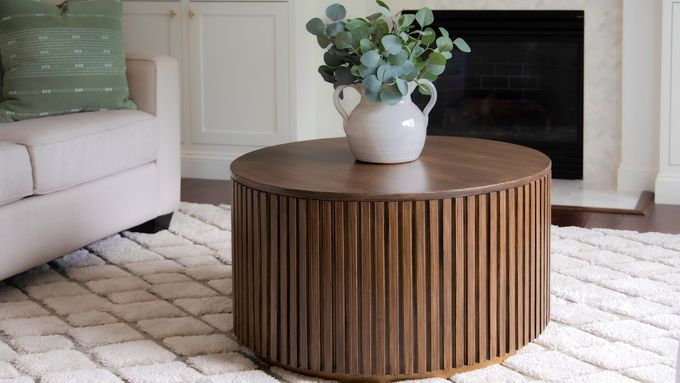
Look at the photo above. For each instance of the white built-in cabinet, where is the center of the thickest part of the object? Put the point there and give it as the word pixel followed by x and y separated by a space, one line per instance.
pixel 668 180
pixel 234 59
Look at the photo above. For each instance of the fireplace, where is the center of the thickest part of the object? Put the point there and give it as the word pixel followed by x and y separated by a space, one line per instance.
pixel 522 83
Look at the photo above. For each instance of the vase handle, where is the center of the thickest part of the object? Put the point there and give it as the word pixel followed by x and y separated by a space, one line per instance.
pixel 336 102
pixel 433 98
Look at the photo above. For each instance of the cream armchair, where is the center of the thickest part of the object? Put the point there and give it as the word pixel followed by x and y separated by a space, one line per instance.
pixel 67 181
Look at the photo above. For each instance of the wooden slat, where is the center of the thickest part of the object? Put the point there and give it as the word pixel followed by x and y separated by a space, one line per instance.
pixel 352 287
pixel 293 281
pixel 303 275
pixel 379 329
pixel 273 285
pixel 512 270
pixel 314 289
pixel 527 264
pixel 393 325
pixel 471 281
pixel 482 285
pixel 406 257
pixel 448 303
pixel 520 266
pixel 366 305
pixel 284 258
pixel 493 276
pixel 459 276
pixel 340 286
pixel 257 280
pixel 264 274
pixel 327 274
pixel 535 264
pixel 502 273
pixel 435 321
pixel 421 323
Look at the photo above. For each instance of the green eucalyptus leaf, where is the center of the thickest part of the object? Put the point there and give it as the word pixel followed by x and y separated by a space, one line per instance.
pixel 355 23
pixel 406 21
pixel 428 36
pixel 380 29
pixel 371 83
pixel 385 73
pixel 417 51
pixel 444 32
pixel 399 58
pixel 336 12
pixel 327 73
pixel 448 55
pixel 462 45
pixel 422 89
pixel 382 4
pixel 366 45
pixel 390 94
pixel 392 44
pixel 332 30
pixel 316 26
pixel 403 86
pixel 436 63
pixel 424 17
pixel 404 36
pixel 323 41
pixel 409 70
pixel 343 75
pixel 365 71
pixel 343 40
pixel 331 59
pixel 355 71
pixel 374 16
pixel 370 59
pixel 430 76
pixel 444 44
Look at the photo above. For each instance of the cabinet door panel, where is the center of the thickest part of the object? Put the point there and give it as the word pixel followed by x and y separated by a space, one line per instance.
pixel 675 87
pixel 239 73
pixel 150 27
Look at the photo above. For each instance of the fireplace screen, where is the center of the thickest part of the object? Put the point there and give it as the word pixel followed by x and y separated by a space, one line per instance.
pixel 522 83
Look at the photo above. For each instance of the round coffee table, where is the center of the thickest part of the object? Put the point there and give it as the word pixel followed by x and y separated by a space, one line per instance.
pixel 365 272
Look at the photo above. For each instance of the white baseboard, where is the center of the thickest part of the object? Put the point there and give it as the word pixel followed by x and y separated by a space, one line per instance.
pixel 668 189
pixel 635 179
pixel 207 166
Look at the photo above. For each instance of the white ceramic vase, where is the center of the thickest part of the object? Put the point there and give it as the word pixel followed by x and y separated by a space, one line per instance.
pixel 382 133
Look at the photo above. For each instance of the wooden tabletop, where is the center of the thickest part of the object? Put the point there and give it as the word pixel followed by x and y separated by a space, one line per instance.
pixel 448 167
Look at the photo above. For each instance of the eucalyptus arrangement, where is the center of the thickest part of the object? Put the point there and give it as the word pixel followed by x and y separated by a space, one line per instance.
pixel 384 51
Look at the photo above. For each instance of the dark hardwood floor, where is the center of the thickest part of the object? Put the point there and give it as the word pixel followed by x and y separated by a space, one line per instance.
pixel 659 218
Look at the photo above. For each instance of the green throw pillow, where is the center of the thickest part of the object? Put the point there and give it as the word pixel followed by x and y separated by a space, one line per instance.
pixel 61 59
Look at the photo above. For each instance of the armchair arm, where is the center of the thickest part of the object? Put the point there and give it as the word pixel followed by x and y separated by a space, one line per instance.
pixel 154 86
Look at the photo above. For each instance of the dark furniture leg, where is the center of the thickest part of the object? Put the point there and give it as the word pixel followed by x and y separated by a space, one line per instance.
pixel 155 225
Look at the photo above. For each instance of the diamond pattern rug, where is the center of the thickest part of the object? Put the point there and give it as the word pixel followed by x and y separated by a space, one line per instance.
pixel 144 308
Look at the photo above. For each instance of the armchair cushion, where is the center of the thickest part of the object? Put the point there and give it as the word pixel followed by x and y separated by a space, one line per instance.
pixel 16 181
pixel 60 59
pixel 73 149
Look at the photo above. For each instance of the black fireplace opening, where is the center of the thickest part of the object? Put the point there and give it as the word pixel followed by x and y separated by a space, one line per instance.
pixel 522 83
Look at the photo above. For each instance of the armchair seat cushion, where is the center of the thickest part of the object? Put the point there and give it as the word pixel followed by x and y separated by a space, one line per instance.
pixel 16 181
pixel 73 149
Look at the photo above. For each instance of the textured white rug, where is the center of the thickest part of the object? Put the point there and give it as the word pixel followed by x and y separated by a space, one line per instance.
pixel 156 308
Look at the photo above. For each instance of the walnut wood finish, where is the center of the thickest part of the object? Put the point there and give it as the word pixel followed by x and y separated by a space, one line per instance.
pixel 360 289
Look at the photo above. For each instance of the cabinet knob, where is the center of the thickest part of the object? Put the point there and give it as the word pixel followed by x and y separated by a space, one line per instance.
pixel 191 14
pixel 172 13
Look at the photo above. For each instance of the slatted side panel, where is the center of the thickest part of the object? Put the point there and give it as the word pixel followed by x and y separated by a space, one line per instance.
pixel 390 288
